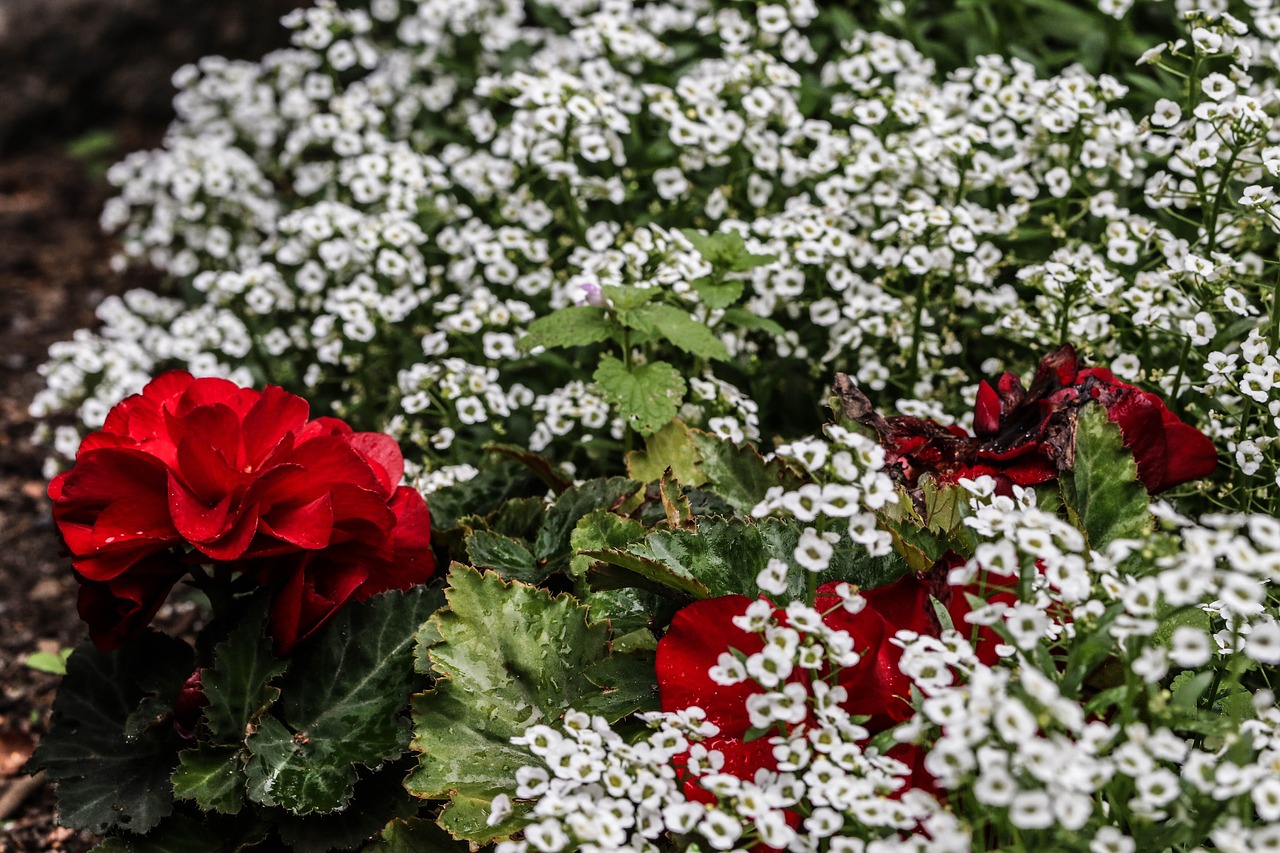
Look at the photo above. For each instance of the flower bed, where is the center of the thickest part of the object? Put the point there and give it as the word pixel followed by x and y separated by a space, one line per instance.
pixel 834 435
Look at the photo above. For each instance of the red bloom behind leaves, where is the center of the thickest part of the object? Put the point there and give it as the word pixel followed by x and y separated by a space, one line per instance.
pixel 1025 436
pixel 242 478
pixel 704 630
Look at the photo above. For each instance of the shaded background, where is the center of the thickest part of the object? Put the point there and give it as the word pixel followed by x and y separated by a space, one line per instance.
pixel 82 82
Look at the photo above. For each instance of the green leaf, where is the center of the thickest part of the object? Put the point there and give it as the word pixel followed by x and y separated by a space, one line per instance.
pixel 183 833
pixel 105 779
pixel 509 656
pixel 568 327
pixel 624 570
pixel 674 504
pixel 538 464
pixel 50 662
pixel 489 550
pixel 520 518
pixel 415 835
pixel 744 319
pixel 213 779
pixel 714 292
pixel 625 297
pixel 647 396
pixel 601 530
pixel 238 685
pixel 738 473
pixel 379 799
pixel 680 330
pixel 552 544
pixel 499 480
pixel 726 250
pixel 670 447
pixel 628 684
pixel 340 705
pixel 1103 489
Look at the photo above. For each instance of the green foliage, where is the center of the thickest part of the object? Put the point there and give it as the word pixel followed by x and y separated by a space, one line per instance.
pixel 340 706
pixel 647 396
pixel 1102 493
pixel 239 684
pixel 552 544
pixel 569 327
pixel 112 763
pixel 509 656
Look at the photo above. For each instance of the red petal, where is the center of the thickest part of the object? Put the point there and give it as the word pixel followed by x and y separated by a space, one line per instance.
pixel 276 414
pixel 214 391
pixel 383 455
pixel 118 610
pixel 411 561
pixel 308 526
pixel 986 415
pixel 692 645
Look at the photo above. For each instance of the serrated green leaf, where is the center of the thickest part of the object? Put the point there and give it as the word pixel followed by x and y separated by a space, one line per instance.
pixel 509 656
pixel 726 554
pixel 340 705
pixel 105 780
pixel 1103 488
pixel 625 297
pixel 568 327
pixel 238 685
pixel 670 447
pixel 617 569
pixel 1188 687
pixel 379 799
pixel 520 518
pixel 466 816
pixel 674 504
pixel 213 779
pixel 552 544
pixel 680 330
pixel 647 397
pixel 506 556
pixel 499 480
pixel 715 292
pixel 738 473
pixel 600 530
pixel 628 684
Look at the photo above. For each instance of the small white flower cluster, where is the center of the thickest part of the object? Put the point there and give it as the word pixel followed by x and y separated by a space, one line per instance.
pixel 406 160
pixel 829 791
pixel 848 483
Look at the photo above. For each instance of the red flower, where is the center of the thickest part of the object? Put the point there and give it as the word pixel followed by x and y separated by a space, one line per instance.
pixel 1025 436
pixel 704 630
pixel 239 477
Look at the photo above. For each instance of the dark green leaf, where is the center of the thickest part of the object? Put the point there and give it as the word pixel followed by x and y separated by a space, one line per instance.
pixel 415 835
pixel 622 570
pixel 510 656
pixel 489 550
pixel 105 780
pixel 552 544
pixel 215 780
pixel 379 799
pixel 628 684
pixel 539 465
pixel 738 473
pixel 340 705
pixel 184 833
pixel 238 685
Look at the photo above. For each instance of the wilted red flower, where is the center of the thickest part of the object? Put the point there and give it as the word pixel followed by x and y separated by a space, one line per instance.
pixel 1025 436
pixel 240 477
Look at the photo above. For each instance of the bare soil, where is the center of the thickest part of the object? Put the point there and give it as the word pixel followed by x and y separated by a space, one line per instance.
pixel 82 82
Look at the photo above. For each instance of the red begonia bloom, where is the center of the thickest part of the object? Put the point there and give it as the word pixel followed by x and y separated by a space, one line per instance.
pixel 1025 436
pixel 243 478
pixel 704 630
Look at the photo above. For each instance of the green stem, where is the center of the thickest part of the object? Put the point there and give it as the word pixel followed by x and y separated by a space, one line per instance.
pixel 917 324
pixel 1182 369
pixel 1274 338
